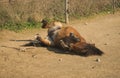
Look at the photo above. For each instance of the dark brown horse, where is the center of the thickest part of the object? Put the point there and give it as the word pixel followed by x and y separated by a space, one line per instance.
pixel 68 38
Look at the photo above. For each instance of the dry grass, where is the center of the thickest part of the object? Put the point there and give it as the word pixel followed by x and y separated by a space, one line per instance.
pixel 23 10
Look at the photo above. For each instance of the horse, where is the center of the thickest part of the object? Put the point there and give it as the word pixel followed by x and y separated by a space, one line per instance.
pixel 68 38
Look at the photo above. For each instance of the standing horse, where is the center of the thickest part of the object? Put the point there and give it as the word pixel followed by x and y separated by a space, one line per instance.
pixel 69 39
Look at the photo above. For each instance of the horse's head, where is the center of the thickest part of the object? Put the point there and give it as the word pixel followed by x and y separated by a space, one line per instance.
pixel 86 49
pixel 44 23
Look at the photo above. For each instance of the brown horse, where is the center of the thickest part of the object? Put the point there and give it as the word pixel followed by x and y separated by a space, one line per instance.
pixel 69 39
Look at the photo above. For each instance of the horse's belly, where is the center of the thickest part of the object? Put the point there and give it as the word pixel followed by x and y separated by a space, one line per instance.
pixel 64 33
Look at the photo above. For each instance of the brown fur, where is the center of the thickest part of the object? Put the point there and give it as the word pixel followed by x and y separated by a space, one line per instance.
pixel 62 39
pixel 64 33
pixel 86 49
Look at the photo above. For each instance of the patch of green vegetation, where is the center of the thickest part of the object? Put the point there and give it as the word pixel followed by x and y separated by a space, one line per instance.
pixel 17 27
pixel 55 18
pixel 60 18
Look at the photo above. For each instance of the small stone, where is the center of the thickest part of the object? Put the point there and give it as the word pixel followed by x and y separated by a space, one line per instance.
pixel 93 67
pixel 98 60
pixel 86 23
pixel 105 43
pixel 60 59
pixel 22 49
pixel 34 56
pixel 91 41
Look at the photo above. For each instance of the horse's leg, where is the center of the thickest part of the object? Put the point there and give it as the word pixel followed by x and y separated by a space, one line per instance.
pixel 64 46
pixel 67 46
pixel 44 41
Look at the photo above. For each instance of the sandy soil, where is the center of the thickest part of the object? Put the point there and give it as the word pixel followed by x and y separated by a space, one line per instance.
pixel 41 62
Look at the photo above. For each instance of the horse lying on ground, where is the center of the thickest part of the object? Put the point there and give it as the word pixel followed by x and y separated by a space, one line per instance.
pixel 68 38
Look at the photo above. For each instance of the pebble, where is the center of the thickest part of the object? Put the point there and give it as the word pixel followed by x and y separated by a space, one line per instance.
pixel 98 60
pixel 105 43
pixel 60 59
pixel 91 41
pixel 34 56
pixel 22 49
pixel 86 23
pixel 93 67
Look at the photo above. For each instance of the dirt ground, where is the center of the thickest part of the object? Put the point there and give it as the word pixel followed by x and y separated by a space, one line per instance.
pixel 42 62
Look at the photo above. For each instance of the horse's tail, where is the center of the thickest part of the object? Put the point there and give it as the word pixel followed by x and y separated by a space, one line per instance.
pixel 92 50
pixel 87 49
